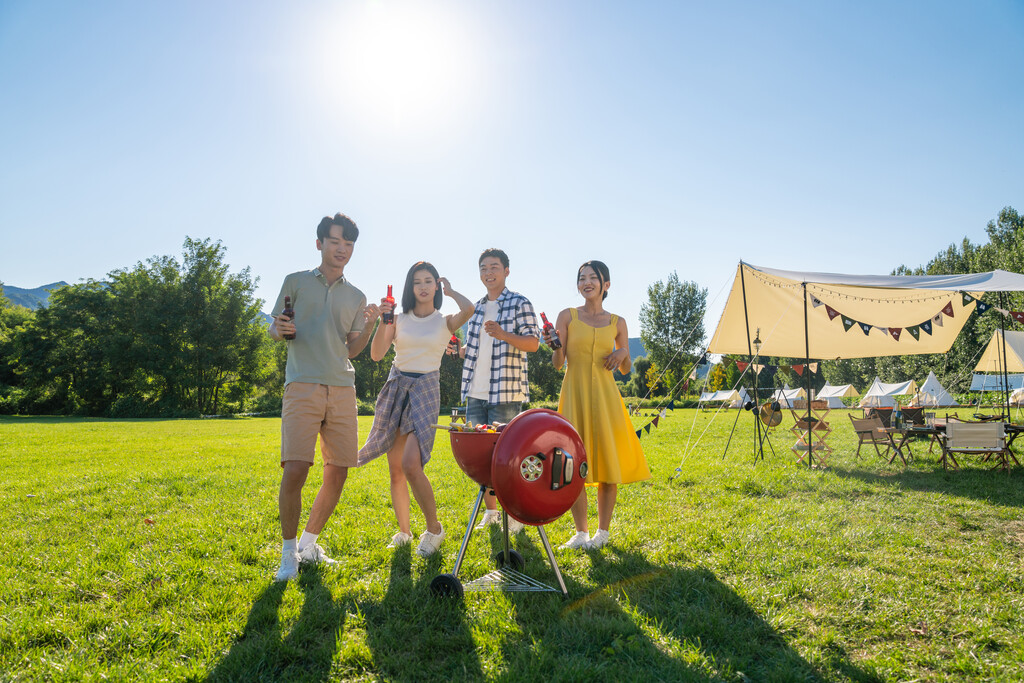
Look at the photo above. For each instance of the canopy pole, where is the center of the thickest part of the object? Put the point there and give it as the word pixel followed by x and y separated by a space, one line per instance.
pixel 807 367
pixel 758 449
pixel 1006 375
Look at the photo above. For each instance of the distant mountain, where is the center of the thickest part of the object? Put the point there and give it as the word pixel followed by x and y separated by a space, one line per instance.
pixel 31 298
pixel 636 348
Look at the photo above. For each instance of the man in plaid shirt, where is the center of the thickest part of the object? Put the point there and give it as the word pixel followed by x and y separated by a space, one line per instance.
pixel 501 332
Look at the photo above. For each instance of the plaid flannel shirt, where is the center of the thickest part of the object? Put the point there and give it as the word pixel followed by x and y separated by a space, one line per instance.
pixel 405 404
pixel 508 376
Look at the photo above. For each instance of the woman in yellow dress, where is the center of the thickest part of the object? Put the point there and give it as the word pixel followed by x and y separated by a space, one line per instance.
pixel 595 343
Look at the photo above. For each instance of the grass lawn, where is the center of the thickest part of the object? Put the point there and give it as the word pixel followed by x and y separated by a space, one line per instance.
pixel 145 549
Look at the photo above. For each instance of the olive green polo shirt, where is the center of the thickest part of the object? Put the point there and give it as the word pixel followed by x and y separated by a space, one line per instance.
pixel 324 317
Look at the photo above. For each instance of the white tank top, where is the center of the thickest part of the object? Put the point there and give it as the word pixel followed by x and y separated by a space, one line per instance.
pixel 420 342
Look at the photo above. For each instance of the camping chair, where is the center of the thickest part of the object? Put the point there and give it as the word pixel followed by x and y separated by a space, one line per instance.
pixel 869 430
pixel 985 438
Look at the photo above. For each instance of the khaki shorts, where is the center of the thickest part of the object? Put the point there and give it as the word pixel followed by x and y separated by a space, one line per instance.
pixel 311 409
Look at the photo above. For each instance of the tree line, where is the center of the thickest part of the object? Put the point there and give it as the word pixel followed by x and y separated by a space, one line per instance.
pixel 181 337
pixel 175 337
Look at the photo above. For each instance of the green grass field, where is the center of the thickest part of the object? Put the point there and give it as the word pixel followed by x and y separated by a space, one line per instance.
pixel 144 550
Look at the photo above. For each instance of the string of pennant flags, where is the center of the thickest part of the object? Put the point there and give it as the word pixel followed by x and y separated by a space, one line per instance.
pixel 646 429
pixel 927 326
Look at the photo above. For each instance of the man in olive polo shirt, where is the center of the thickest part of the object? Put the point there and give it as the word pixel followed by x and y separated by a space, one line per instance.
pixel 329 328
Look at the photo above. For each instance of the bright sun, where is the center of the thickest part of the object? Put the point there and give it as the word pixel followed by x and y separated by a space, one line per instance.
pixel 407 64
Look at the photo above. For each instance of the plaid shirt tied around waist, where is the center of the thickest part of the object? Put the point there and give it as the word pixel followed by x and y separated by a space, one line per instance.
pixel 405 404
pixel 508 382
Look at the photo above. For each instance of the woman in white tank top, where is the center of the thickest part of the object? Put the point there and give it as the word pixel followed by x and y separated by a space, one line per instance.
pixel 409 403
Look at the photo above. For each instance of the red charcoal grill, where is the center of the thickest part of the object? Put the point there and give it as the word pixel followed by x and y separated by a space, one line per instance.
pixel 536 465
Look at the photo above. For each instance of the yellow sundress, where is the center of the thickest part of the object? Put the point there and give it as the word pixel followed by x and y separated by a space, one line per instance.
pixel 591 402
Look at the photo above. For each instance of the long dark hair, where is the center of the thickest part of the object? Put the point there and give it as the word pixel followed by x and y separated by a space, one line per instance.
pixel 601 270
pixel 408 298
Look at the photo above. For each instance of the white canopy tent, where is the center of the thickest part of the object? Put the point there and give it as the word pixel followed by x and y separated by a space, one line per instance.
pixel 835 394
pixel 933 394
pixel 995 382
pixel 786 396
pixel 883 395
pixel 734 397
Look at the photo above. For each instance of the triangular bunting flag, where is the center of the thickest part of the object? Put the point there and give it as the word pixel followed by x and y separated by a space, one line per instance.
pixel 832 313
pixel 647 428
pixel 638 433
pixel 948 309
pixel 937 320
pixel 1017 315
pixel 742 366
pixel 866 328
pixel 758 368
pixel 672 403
pixel 813 367
pixel 983 307
pixel 815 301
pixel 662 413
pixel 655 421
pixel 848 323
pixel 895 332
pixel 915 331
pixel 799 369
pixel 785 368
pixel 883 330
pixel 1003 311
pixel 926 326
pixel 967 298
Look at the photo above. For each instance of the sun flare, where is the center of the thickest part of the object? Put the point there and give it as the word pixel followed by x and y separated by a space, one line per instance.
pixel 409 65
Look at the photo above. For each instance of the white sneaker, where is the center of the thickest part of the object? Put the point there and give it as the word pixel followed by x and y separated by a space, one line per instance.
pixel 599 540
pixel 578 542
pixel 515 526
pixel 314 554
pixel 399 539
pixel 490 517
pixel 289 568
pixel 429 543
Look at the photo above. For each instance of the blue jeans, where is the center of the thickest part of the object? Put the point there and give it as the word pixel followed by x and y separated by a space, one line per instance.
pixel 479 411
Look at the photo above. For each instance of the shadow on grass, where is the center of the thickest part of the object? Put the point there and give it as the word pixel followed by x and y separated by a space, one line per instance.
pixel 971 481
pixel 305 653
pixel 413 635
pixel 650 623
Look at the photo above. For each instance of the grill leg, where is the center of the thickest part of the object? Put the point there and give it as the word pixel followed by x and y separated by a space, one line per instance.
pixel 469 531
pixel 551 559
pixel 504 528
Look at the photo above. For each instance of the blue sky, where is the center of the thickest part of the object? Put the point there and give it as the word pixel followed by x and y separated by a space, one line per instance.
pixel 836 136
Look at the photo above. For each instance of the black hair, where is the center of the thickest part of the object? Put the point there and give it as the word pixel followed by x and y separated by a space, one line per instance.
pixel 349 229
pixel 496 253
pixel 408 298
pixel 601 270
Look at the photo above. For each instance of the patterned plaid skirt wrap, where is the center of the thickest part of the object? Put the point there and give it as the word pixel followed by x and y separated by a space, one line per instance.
pixel 405 404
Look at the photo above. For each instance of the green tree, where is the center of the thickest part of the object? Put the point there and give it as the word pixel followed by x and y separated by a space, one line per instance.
pixel 672 323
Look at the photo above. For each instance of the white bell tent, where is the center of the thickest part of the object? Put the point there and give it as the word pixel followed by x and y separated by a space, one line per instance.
pixel 883 394
pixel 834 395
pixel 786 396
pixel 933 394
